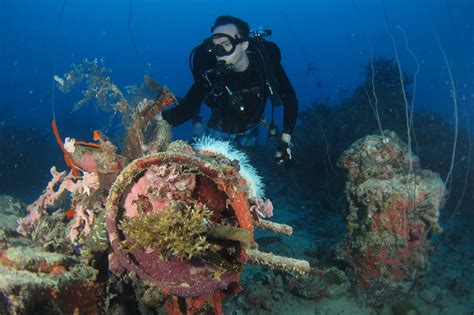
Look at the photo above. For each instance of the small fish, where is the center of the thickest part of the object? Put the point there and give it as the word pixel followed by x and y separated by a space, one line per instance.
pixel 97 135
pixel 70 213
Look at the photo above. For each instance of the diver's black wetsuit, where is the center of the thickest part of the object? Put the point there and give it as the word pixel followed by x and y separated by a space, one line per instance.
pixel 249 86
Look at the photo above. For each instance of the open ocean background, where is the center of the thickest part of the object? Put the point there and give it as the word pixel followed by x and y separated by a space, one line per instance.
pixel 333 38
pixel 326 47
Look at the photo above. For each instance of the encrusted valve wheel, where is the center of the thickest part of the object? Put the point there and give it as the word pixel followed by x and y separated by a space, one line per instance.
pixel 172 219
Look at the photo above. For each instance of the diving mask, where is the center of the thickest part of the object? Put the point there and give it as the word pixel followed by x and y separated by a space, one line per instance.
pixel 221 44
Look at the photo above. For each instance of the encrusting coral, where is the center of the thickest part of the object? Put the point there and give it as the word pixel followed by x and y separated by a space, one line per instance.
pixel 32 279
pixel 11 209
pixel 392 209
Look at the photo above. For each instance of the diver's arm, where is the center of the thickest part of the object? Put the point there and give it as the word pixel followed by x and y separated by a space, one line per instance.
pixel 283 154
pixel 187 108
pixel 288 97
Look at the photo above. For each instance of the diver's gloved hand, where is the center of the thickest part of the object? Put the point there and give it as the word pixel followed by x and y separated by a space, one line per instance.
pixel 283 153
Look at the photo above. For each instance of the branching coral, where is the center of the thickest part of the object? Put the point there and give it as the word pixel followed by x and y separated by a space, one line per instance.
pixel 179 230
pixel 99 86
pixel 49 198
pixel 137 110
pixel 147 113
pixel 54 193
pixel 83 222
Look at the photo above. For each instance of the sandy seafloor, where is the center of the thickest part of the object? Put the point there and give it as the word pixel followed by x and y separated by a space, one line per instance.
pixel 447 289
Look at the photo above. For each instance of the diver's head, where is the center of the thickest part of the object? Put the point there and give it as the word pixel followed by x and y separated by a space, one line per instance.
pixel 230 41
pixel 243 27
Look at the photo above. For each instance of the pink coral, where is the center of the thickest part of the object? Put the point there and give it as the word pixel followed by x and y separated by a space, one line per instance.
pixel 132 203
pixel 84 219
pixel 49 198
pixel 262 208
pixel 86 162
pixel 87 184
pixel 157 188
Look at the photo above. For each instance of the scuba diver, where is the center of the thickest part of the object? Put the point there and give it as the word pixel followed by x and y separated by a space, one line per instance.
pixel 235 71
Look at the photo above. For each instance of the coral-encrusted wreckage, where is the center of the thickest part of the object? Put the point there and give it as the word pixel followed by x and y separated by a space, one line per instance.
pixel 172 221
pixel 163 225
pixel 391 205
pixel 393 208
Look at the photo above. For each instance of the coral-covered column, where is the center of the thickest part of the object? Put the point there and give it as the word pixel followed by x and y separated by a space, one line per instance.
pixel 392 209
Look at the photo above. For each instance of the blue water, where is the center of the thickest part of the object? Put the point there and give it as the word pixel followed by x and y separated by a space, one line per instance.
pixel 325 46
pixel 334 36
